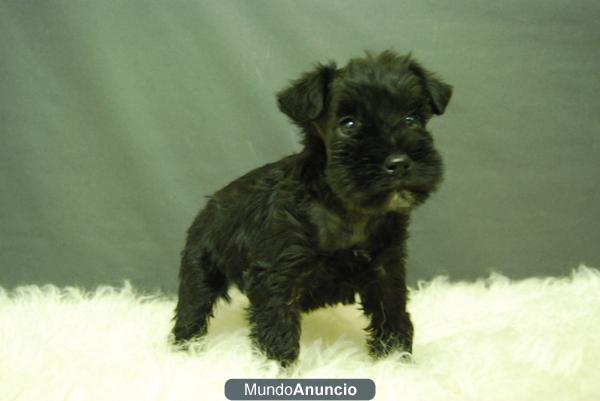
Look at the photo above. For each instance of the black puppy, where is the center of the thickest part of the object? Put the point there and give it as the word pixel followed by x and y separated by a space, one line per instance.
pixel 318 227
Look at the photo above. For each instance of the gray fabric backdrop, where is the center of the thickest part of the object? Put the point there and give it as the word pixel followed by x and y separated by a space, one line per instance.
pixel 118 117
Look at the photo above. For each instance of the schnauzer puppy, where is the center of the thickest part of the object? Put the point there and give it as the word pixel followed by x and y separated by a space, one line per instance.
pixel 321 226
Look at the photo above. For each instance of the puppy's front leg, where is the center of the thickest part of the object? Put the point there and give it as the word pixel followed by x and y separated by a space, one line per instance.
pixel 274 316
pixel 384 302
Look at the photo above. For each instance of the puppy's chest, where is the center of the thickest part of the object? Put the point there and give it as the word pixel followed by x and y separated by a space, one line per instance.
pixel 336 232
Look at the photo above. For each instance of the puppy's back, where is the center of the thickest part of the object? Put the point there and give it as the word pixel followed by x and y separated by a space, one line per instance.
pixel 237 219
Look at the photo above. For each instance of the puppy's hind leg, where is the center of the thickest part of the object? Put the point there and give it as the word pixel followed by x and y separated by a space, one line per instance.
pixel 201 285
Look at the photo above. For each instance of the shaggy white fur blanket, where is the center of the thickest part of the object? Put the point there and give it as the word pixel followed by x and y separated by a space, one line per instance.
pixel 494 339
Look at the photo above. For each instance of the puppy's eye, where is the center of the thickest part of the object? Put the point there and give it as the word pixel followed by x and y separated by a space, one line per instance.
pixel 348 125
pixel 411 121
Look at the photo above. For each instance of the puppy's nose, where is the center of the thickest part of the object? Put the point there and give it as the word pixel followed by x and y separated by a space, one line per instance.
pixel 397 164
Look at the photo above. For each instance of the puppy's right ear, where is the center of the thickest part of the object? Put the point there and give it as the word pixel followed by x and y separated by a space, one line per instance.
pixel 306 97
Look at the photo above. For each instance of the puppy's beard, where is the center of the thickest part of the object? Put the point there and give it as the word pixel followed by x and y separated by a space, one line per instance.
pixel 400 201
pixel 373 200
pixel 396 201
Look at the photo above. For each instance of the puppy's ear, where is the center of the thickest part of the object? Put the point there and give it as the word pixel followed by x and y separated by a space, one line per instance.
pixel 306 97
pixel 438 91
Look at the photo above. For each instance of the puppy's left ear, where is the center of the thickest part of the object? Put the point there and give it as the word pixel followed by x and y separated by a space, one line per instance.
pixel 438 91
pixel 306 97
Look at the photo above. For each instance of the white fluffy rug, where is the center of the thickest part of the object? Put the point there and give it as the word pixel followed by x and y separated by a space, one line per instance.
pixel 494 339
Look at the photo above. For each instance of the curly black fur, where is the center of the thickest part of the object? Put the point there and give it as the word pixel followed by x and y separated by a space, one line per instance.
pixel 318 227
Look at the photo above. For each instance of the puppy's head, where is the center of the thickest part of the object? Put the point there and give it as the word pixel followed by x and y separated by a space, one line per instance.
pixel 365 126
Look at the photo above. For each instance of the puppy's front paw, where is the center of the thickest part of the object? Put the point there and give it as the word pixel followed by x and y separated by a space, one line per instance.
pixel 382 346
pixel 285 354
pixel 276 332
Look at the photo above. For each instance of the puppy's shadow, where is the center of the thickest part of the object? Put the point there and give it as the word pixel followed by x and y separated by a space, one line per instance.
pixel 332 324
pixel 325 325
pixel 229 317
